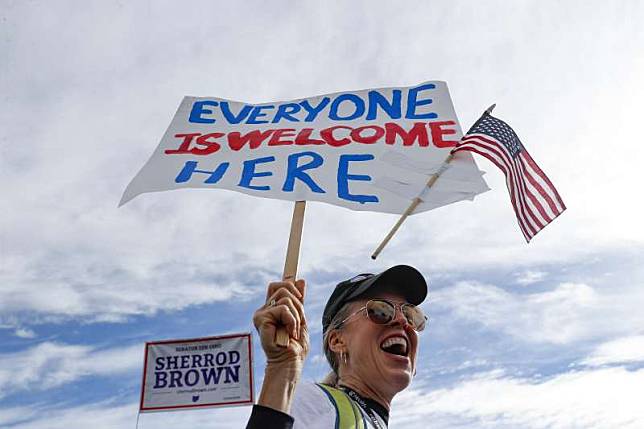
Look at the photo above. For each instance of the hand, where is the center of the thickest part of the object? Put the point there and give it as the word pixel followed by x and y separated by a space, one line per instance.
pixel 284 308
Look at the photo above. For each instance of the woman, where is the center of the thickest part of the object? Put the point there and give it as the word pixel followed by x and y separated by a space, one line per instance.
pixel 370 329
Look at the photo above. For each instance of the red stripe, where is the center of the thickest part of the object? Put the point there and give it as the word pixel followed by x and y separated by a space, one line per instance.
pixel 530 195
pixel 523 191
pixel 523 225
pixel 522 206
pixel 516 197
pixel 536 168
pixel 538 186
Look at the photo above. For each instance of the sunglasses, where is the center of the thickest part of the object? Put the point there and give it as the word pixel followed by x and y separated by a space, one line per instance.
pixel 383 312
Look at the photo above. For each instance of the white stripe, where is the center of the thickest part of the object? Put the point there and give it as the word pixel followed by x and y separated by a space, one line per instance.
pixel 522 200
pixel 549 190
pixel 527 171
pixel 525 185
pixel 509 181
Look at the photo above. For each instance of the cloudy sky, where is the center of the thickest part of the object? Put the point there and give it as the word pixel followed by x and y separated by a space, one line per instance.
pixel 545 335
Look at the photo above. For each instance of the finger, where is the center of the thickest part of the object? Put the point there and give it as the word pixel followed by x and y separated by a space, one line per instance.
pixel 284 297
pixel 274 286
pixel 283 315
pixel 290 303
pixel 300 285
pixel 294 301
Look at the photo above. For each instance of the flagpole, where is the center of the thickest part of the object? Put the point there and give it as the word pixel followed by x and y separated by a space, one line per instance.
pixel 416 201
pixel 292 258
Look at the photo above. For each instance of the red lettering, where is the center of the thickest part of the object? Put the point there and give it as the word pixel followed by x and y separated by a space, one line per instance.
pixel 304 138
pixel 254 138
pixel 438 132
pixel 418 132
pixel 276 138
pixel 327 136
pixel 185 144
pixel 210 146
pixel 378 132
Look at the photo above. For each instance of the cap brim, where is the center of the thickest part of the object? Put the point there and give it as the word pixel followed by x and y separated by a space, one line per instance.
pixel 402 279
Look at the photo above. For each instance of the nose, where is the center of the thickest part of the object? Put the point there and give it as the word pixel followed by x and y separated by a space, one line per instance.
pixel 399 317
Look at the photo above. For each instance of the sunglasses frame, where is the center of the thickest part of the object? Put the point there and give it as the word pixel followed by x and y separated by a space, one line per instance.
pixel 395 305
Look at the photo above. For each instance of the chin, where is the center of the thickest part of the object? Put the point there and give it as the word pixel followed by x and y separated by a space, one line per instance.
pixel 399 380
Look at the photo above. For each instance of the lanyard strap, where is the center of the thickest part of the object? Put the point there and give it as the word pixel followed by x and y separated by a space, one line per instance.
pixel 363 404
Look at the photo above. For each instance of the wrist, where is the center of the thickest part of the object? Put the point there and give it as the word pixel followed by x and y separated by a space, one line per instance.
pixel 279 384
pixel 285 368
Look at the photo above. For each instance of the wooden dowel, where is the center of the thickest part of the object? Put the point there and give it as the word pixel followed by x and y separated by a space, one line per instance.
pixel 292 258
pixel 430 183
pixel 411 208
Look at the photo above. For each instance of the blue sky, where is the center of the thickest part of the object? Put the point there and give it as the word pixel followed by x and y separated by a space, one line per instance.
pixel 545 335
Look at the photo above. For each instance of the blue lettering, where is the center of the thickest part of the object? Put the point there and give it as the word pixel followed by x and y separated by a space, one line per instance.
pixel 230 374
pixel 211 374
pixel 233 357
pixel 294 171
pixel 344 177
pixel 257 113
pixel 413 102
pixel 186 378
pixel 160 379
pixel 249 173
pixel 357 101
pixel 191 167
pixel 159 363
pixel 392 108
pixel 198 109
pixel 285 111
pixel 314 110
pixel 172 362
pixel 230 116
pixel 175 379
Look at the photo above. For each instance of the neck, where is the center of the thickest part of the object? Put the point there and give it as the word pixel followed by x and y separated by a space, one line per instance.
pixel 366 391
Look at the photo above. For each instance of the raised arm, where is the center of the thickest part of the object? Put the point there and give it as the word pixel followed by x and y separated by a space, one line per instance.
pixel 283 308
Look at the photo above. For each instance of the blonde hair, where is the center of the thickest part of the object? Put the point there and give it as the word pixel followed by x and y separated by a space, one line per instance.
pixel 332 378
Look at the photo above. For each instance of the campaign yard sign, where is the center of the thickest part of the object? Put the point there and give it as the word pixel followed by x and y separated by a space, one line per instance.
pixel 197 373
pixel 371 149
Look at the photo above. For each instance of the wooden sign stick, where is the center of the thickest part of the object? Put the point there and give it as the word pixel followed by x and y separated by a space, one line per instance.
pixel 411 207
pixel 292 258
pixel 430 183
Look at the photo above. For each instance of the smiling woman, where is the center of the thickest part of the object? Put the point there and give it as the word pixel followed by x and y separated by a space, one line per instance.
pixel 370 330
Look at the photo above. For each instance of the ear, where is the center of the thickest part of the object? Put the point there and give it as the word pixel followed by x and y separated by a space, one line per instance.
pixel 336 341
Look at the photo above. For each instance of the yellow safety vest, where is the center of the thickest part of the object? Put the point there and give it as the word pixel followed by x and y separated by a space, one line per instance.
pixel 347 412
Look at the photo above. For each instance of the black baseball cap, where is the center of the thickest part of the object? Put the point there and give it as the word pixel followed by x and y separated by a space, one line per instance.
pixel 401 278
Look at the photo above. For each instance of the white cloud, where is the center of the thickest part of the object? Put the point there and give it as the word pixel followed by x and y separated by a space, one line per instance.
pixel 107 415
pixel 50 365
pixel 570 312
pixel 83 114
pixel 621 350
pixel 100 112
pixel 599 399
pixel 529 277
pixel 24 333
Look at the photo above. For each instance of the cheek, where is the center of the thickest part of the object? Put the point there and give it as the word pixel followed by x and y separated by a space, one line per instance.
pixel 363 339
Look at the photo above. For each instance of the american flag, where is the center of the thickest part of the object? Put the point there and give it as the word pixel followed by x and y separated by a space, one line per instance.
pixel 535 200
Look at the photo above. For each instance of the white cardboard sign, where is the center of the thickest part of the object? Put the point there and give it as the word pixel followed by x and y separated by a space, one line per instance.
pixel 197 373
pixel 371 149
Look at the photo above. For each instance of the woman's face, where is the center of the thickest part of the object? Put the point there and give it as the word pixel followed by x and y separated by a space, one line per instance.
pixel 373 357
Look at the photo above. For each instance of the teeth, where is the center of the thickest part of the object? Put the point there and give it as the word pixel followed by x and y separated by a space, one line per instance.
pixel 394 340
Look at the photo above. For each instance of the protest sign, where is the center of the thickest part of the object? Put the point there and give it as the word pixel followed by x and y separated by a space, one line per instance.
pixel 197 373
pixel 369 150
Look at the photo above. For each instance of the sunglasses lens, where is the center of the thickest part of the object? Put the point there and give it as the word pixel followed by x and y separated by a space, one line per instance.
pixel 380 312
pixel 415 317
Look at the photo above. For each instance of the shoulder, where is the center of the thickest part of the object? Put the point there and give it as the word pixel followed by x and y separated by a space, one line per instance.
pixel 312 407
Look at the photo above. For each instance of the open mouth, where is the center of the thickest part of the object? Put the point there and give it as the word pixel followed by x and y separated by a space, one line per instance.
pixel 395 346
